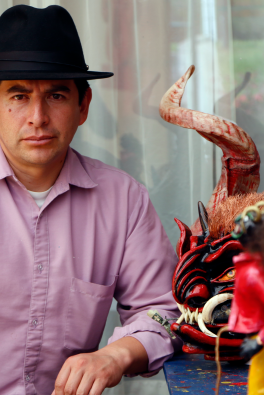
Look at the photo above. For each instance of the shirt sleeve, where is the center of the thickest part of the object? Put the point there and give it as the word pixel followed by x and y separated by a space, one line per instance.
pixel 144 283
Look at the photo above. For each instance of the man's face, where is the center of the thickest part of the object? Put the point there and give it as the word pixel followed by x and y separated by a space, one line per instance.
pixel 38 120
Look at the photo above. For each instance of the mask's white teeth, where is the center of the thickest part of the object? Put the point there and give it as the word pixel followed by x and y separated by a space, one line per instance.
pixel 192 317
pixel 188 316
pixel 197 314
pixel 180 319
pixel 203 327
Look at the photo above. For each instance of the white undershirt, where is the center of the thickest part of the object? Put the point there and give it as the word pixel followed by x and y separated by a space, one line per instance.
pixel 39 197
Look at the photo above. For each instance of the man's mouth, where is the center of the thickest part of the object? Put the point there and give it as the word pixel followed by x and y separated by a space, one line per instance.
pixel 39 140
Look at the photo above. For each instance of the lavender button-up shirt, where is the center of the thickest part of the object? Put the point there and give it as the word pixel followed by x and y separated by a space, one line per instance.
pixel 96 237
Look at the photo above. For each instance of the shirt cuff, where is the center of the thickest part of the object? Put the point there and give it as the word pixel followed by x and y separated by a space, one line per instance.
pixel 156 341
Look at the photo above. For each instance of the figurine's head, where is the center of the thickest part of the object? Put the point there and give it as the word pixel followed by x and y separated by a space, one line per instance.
pixel 249 228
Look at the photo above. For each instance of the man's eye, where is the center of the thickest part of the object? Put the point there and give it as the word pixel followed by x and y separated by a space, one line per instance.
pixel 19 97
pixel 56 96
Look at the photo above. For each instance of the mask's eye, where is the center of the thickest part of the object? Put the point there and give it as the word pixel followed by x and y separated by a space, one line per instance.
pixel 228 275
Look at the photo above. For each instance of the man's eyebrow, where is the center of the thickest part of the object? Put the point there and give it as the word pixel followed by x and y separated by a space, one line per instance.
pixel 18 88
pixel 22 89
pixel 58 88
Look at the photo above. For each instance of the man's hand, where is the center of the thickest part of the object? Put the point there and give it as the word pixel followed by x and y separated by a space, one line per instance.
pixel 91 373
pixel 87 372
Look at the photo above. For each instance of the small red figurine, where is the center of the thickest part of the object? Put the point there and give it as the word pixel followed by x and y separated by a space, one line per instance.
pixel 247 312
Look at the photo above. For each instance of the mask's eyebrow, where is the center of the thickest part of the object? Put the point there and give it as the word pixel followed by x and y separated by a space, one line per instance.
pixel 58 88
pixel 18 89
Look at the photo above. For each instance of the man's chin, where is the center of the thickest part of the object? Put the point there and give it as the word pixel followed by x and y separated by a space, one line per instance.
pixel 42 158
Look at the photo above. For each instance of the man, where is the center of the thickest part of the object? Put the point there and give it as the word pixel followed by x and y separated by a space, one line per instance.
pixel 74 231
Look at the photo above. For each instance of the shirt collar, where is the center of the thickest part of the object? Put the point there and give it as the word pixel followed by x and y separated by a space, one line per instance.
pixel 72 172
pixel 5 168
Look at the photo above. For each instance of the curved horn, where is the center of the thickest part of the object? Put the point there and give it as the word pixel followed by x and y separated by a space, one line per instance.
pixel 211 304
pixel 240 161
pixel 203 216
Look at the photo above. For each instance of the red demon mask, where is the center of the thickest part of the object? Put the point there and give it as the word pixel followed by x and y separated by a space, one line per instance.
pixel 203 285
pixel 203 281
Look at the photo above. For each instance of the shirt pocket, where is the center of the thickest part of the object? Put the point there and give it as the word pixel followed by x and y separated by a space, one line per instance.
pixel 88 307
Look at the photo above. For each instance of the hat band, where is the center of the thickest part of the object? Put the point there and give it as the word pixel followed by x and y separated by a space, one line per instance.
pixel 39 61
pixel 13 65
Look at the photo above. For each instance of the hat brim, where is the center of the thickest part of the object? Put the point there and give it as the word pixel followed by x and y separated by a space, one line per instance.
pixel 44 75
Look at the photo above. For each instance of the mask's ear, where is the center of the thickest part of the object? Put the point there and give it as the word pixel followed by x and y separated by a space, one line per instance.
pixel 183 244
pixel 203 216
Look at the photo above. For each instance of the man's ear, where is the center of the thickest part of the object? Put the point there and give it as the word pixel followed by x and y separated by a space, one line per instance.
pixel 84 107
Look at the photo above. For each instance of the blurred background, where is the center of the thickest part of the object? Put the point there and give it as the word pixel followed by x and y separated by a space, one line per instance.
pixel 149 44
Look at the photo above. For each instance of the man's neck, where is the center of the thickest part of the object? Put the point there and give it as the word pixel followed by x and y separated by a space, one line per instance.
pixel 37 178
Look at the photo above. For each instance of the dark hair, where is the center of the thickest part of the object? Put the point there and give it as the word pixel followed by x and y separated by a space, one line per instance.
pixel 82 86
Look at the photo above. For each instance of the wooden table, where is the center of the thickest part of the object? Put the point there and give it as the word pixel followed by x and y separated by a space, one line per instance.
pixel 193 375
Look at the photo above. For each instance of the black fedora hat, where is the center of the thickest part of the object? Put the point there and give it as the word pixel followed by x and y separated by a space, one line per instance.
pixel 39 44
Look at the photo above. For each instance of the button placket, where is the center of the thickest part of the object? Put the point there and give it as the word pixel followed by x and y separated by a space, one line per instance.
pixel 38 302
pixel 34 322
pixel 27 377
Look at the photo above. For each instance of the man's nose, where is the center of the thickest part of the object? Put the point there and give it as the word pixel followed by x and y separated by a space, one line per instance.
pixel 38 113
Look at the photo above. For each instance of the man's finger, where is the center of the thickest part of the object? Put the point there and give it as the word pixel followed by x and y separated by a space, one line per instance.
pixel 98 387
pixel 73 382
pixel 85 385
pixel 62 379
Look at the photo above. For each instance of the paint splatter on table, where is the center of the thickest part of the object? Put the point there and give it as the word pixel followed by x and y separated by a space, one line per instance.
pixel 193 375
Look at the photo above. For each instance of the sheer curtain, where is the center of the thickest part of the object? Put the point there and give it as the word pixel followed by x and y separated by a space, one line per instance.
pixel 149 44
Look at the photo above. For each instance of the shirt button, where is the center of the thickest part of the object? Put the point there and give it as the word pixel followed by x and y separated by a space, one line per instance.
pixel 35 322
pixel 27 378
pixel 40 268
